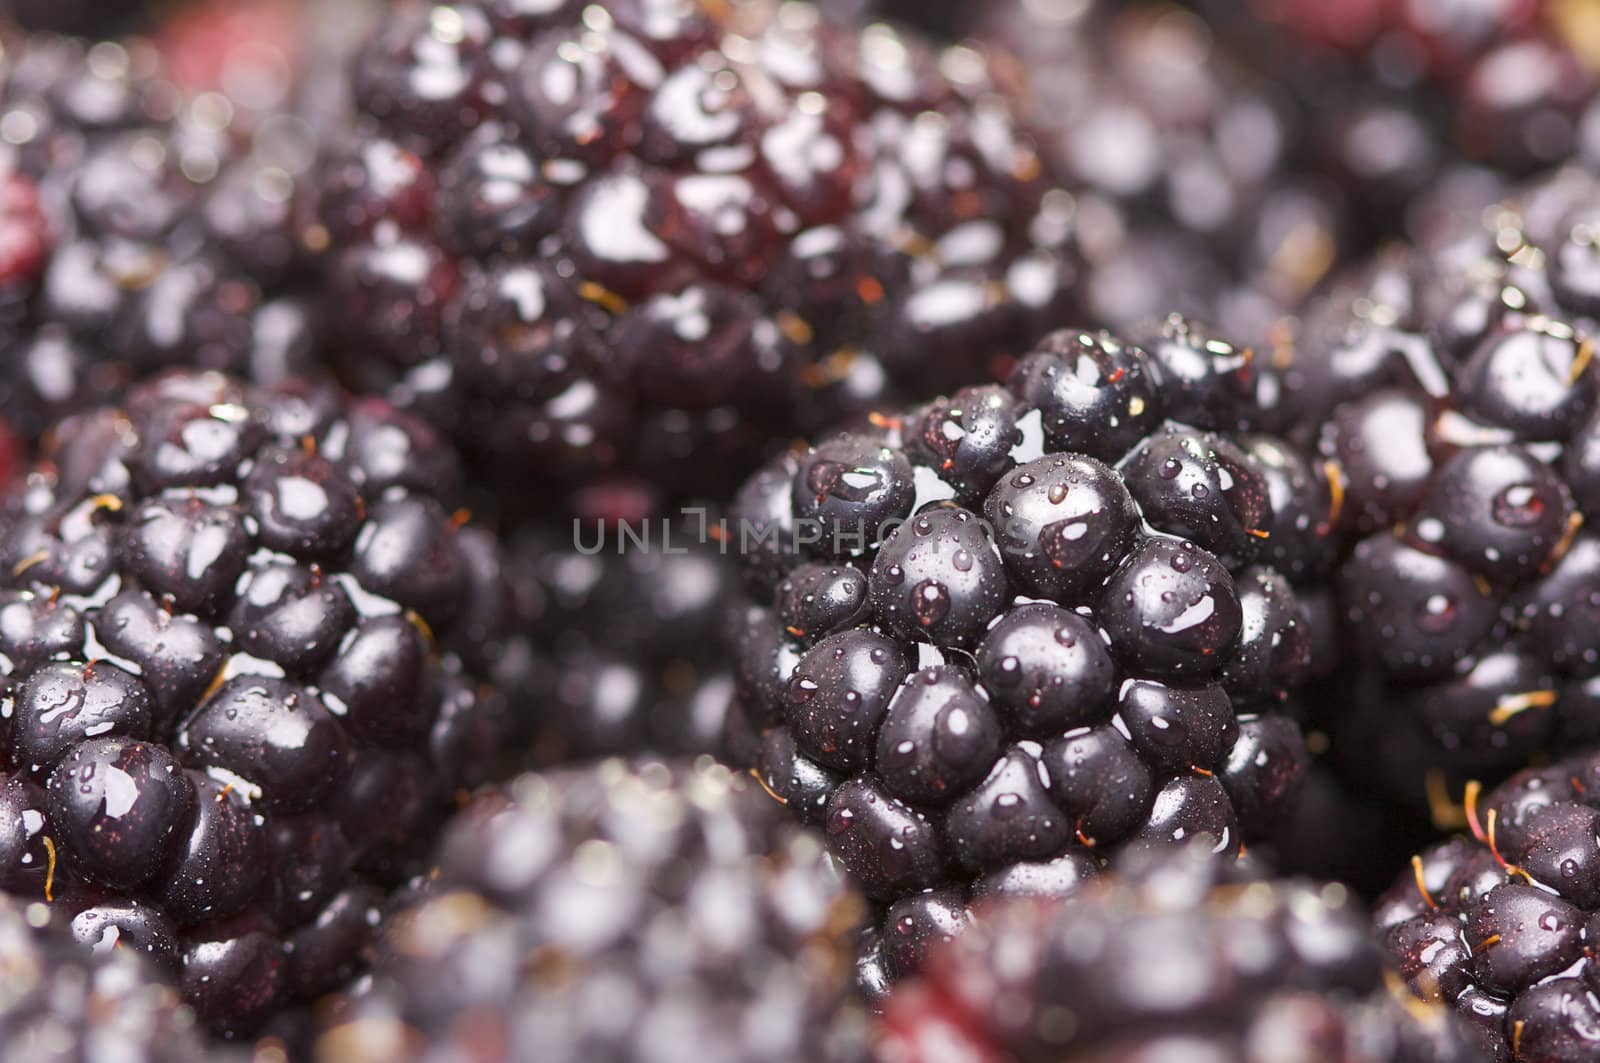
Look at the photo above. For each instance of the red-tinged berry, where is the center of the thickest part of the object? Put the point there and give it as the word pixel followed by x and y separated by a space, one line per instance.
pixel 751 222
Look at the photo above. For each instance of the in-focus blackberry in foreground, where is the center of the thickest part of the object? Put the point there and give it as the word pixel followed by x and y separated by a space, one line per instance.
pixel 1456 389
pixel 248 648
pixel 644 911
pixel 1174 955
pixel 655 239
pixel 63 1003
pixel 1501 925
pixel 144 228
pixel 996 637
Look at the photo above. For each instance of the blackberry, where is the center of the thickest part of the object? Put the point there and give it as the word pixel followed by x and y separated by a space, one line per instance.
pixel 249 653
pixel 1499 925
pixel 634 910
pixel 621 241
pixel 64 1003
pixel 998 636
pixel 1454 386
pixel 146 228
pixel 1174 955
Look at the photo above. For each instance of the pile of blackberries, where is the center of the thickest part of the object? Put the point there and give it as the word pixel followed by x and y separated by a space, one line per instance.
pixel 754 530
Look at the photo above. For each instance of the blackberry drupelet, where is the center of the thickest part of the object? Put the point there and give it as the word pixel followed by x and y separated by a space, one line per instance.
pixel 249 653
pixel 641 911
pixel 145 229
pixel 63 1003
pixel 1500 925
pixel 1458 401
pixel 995 638
pixel 607 240
pixel 1175 955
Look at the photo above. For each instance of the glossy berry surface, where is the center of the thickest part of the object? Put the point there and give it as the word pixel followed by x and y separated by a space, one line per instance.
pixel 1150 961
pixel 1456 393
pixel 675 886
pixel 609 241
pixel 974 666
pixel 1498 924
pixel 250 653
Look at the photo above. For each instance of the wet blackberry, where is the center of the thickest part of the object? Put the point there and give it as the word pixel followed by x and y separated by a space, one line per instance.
pixel 1175 955
pixel 145 228
pixel 975 657
pixel 1499 924
pixel 63 1002
pixel 1456 395
pixel 635 910
pixel 248 652
pixel 675 234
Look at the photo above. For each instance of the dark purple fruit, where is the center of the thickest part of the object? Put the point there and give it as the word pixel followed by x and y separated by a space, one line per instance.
pixel 972 705
pixel 759 916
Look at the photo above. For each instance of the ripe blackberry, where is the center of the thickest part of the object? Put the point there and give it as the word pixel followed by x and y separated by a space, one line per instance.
pixel 1174 955
pixel 640 910
pixel 247 653
pixel 63 1003
pixel 140 228
pixel 982 651
pixel 1458 400
pixel 615 239
pixel 1500 925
